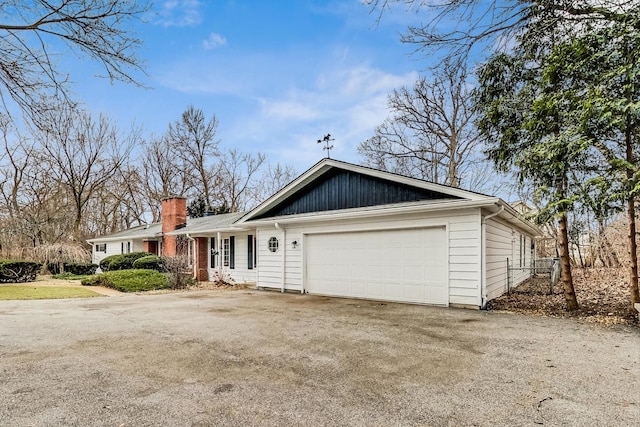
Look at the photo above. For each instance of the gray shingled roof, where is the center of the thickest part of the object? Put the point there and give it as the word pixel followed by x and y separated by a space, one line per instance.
pixel 145 231
pixel 209 224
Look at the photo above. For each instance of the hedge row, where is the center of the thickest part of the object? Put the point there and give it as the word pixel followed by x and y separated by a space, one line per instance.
pixel 78 269
pixel 150 262
pixel 121 261
pixel 18 271
pixel 129 280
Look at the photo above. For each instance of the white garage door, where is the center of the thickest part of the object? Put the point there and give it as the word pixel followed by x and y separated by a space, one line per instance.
pixel 394 265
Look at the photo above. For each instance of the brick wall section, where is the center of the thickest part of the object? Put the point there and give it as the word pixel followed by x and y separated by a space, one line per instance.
pixel 150 246
pixel 201 258
pixel 174 214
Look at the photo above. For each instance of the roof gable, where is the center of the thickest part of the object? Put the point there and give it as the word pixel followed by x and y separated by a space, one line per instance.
pixel 345 189
pixel 332 185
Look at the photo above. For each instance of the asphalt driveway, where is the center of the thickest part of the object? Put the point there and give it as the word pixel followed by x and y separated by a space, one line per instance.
pixel 238 358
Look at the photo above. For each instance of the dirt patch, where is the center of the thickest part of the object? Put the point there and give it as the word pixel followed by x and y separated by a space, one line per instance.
pixel 603 296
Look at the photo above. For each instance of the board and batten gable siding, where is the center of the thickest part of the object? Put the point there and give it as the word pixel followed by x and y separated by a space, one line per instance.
pixel 463 231
pixel 504 242
pixel 342 189
pixel 241 272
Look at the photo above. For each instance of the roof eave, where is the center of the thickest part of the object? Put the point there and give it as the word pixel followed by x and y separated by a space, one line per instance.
pixel 382 210
pixel 197 233
pixel 326 164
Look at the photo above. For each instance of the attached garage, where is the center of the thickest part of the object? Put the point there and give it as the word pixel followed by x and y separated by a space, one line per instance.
pixel 351 231
pixel 407 265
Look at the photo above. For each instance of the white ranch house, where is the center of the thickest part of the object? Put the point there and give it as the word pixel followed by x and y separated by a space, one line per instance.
pixel 345 230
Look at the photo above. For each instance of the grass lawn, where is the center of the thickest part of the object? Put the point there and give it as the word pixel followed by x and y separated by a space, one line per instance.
pixel 13 292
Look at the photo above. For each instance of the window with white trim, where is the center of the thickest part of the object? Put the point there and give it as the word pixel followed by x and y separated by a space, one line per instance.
pixel 101 247
pixel 225 252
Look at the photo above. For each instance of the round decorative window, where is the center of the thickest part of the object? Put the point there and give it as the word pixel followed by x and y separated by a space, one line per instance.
pixel 273 244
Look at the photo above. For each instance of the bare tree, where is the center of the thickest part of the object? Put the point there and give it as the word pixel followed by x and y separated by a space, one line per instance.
pixel 431 132
pixel 162 174
pixel 193 141
pixel 82 154
pixel 97 29
pixel 237 175
pixel 274 178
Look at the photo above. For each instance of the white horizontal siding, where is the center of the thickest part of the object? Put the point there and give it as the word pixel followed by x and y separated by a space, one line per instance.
pixel 241 272
pixel 498 250
pixel 113 248
pixel 464 258
pixel 463 243
pixel 269 263
pixel 503 242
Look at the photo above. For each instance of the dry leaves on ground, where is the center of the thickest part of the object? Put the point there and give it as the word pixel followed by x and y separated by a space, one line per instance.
pixel 603 295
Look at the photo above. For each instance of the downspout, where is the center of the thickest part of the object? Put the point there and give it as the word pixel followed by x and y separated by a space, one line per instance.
pixel 219 249
pixel 284 253
pixel 194 272
pixel 483 255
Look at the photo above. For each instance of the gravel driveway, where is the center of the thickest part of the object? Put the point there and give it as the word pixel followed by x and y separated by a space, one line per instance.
pixel 238 358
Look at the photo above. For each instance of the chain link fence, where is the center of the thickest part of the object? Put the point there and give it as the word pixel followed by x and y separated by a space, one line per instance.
pixel 536 268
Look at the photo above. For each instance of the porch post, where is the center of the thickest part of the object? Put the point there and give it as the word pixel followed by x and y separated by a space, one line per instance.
pixel 201 259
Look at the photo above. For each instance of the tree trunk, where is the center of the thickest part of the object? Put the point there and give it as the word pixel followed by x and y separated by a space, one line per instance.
pixel 631 210
pixel 565 262
pixel 633 253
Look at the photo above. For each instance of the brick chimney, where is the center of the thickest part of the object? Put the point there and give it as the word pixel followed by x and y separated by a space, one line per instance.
pixel 173 215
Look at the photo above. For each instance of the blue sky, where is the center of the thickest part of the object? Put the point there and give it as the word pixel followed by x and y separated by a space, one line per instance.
pixel 277 74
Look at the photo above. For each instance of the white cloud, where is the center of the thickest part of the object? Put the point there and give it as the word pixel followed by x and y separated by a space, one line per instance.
pixel 179 13
pixel 277 104
pixel 215 40
pixel 347 102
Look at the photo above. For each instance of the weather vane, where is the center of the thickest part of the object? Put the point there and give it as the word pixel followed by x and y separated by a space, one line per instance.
pixel 327 139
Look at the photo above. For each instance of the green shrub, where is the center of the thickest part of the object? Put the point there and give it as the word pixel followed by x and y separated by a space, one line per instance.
pixel 121 261
pixel 150 262
pixel 18 271
pixel 129 280
pixel 73 268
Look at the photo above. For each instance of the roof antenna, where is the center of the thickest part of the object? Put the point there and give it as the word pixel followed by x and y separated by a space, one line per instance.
pixel 327 139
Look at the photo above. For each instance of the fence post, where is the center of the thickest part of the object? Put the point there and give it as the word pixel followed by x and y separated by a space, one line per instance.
pixel 508 278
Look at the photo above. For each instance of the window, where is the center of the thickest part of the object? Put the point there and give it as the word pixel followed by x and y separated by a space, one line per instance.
pixel 273 244
pixel 225 252
pixel 250 250
pixel 102 247
pixel 212 257
pixel 255 252
pixel 522 245
pixel 232 252
pixel 128 247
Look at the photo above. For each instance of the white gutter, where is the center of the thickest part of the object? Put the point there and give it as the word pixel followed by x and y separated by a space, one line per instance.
pixel 483 255
pixel 284 253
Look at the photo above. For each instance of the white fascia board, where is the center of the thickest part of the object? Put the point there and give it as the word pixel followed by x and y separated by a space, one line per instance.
pixel 206 233
pixel 121 239
pixel 512 216
pixel 383 210
pixel 326 164
pixel 414 182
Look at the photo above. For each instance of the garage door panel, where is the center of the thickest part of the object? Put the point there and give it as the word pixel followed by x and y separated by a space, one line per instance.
pixel 397 265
